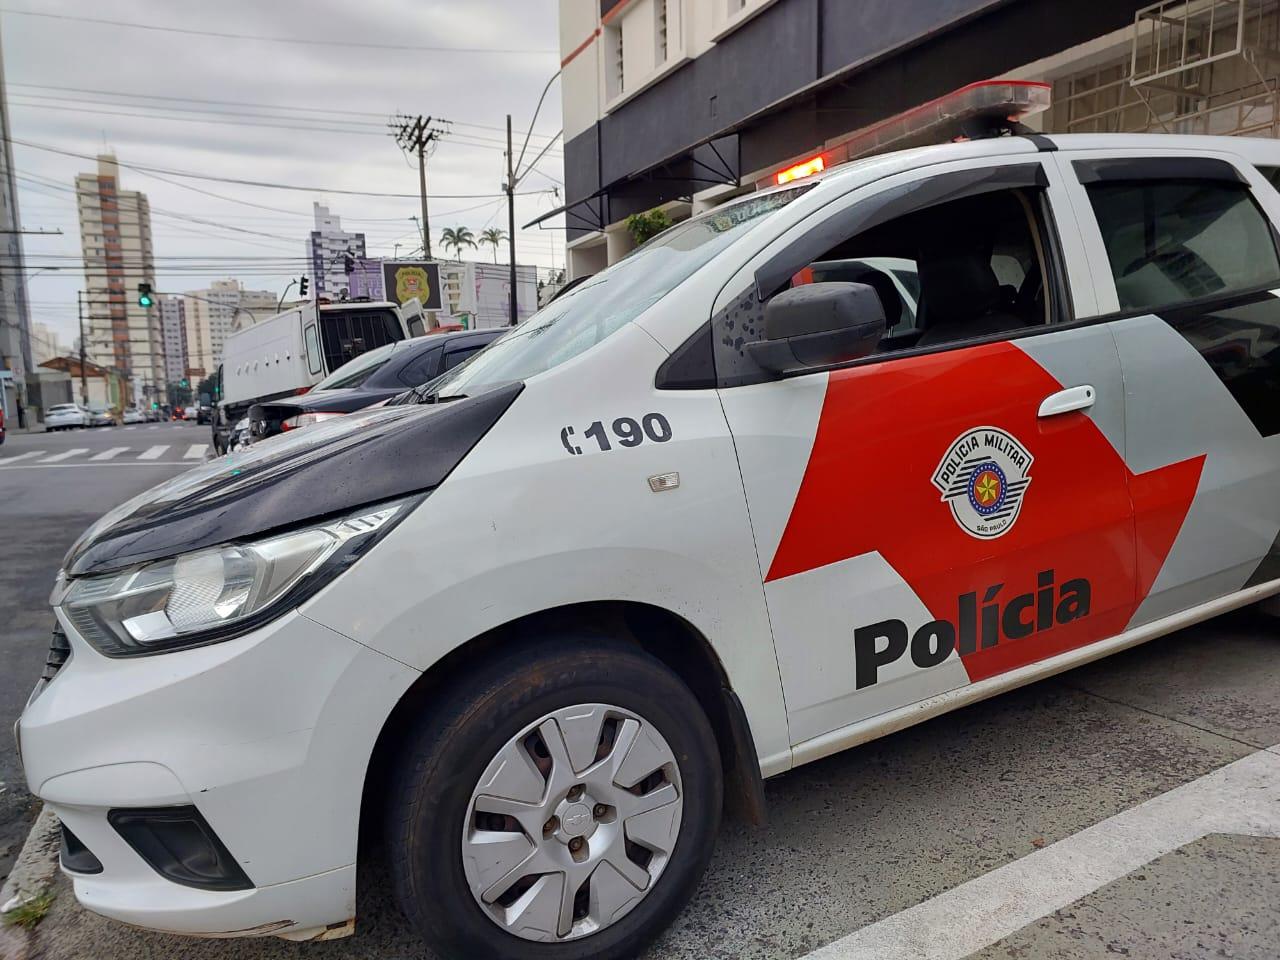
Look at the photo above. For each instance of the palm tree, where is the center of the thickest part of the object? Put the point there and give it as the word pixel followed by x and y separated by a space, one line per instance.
pixel 493 236
pixel 456 238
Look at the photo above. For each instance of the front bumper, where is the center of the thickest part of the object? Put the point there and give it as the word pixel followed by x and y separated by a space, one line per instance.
pixel 268 736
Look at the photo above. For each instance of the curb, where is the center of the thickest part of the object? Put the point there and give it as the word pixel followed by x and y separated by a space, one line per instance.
pixel 32 874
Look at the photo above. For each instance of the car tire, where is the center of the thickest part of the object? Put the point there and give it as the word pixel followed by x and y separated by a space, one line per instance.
pixel 471 731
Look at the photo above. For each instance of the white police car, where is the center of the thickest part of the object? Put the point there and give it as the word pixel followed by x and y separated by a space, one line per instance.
pixel 698 521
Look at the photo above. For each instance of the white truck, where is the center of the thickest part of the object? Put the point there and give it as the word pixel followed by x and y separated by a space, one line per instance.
pixel 289 353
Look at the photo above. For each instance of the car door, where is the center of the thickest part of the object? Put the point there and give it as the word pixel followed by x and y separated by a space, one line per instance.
pixel 956 505
pixel 1184 249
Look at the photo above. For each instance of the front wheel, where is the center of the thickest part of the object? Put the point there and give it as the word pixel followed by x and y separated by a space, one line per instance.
pixel 560 805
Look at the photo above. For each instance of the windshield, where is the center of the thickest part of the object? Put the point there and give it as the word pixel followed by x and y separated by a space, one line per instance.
pixel 585 315
pixel 355 372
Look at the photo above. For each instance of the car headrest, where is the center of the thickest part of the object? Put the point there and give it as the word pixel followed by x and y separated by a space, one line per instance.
pixel 958 283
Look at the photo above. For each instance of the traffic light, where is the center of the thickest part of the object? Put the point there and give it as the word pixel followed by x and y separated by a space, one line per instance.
pixel 302 287
pixel 185 383
pixel 144 295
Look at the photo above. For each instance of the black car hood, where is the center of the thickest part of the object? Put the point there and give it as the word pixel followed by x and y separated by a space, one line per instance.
pixel 324 469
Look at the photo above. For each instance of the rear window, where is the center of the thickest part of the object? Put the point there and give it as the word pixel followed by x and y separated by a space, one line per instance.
pixel 1170 241
pixel 357 371
pixel 62 407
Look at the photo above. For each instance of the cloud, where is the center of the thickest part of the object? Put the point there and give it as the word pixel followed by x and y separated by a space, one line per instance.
pixel 349 89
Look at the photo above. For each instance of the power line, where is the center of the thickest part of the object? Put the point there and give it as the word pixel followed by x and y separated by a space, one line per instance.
pixel 304 41
pixel 153 171
pixel 374 118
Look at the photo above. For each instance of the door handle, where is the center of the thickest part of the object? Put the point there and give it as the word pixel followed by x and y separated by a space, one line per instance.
pixel 1068 401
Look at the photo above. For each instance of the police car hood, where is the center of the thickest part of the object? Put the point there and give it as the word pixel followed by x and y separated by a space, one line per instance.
pixel 319 471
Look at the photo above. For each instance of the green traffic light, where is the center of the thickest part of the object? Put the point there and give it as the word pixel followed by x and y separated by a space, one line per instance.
pixel 145 301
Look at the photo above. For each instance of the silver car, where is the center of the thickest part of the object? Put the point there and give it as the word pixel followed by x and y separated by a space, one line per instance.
pixel 65 416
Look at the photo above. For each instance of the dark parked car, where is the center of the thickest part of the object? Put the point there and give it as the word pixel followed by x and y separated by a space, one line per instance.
pixel 370 378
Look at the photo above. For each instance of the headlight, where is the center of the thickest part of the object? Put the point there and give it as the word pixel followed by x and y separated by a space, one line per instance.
pixel 216 594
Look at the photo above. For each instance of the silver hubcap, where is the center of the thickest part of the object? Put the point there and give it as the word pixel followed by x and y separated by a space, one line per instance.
pixel 572 823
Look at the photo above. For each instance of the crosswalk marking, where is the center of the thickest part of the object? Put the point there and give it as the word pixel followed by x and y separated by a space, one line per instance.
pixel 195 451
pixel 65 455
pixel 108 454
pixel 153 453
pixel 21 456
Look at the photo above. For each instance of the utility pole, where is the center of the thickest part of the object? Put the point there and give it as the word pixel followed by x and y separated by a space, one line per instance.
pixel 416 135
pixel 84 388
pixel 511 222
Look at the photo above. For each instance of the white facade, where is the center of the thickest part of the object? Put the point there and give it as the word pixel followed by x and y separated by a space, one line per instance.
pixel 327 249
pixel 211 316
pixel 115 235
pixel 479 293
pixel 45 345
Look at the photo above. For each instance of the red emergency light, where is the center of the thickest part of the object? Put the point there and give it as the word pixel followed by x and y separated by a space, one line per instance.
pixel 805 168
pixel 982 109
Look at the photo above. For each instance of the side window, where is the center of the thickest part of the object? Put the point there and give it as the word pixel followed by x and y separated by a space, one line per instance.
pixel 313 350
pixel 454 357
pixel 424 368
pixel 953 271
pixel 1171 241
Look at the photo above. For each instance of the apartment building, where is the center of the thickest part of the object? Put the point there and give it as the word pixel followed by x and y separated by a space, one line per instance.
pixel 115 236
pixel 684 104
pixel 329 248
pixel 173 321
pixel 212 314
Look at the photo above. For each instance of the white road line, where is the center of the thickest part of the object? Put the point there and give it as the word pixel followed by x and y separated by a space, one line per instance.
pixel 5 461
pixel 1240 798
pixel 65 454
pixel 153 453
pixel 195 451
pixel 108 454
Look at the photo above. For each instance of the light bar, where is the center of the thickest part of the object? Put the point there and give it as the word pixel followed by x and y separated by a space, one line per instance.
pixel 980 109
pixel 806 168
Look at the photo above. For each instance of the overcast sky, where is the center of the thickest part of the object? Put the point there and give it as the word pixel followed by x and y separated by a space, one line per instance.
pixel 350 91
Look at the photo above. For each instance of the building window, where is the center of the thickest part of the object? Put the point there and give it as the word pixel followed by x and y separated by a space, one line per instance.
pixel 615 83
pixel 736 6
pixel 660 21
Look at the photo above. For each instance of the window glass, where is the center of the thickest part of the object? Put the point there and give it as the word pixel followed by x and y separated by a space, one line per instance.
pixel 1169 241
pixel 454 357
pixel 953 271
pixel 422 369
pixel 357 371
pixel 313 350
pixel 579 318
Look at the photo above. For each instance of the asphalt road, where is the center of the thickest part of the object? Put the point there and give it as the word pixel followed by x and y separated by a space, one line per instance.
pixel 906 847
pixel 51 488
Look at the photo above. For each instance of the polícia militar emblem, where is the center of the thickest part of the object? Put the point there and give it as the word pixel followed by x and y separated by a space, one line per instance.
pixel 983 478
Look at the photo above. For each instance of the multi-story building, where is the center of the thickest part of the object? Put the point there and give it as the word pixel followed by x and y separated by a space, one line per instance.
pixel 328 250
pixel 684 104
pixel 173 321
pixel 44 344
pixel 479 293
pixel 212 314
pixel 115 235
pixel 15 320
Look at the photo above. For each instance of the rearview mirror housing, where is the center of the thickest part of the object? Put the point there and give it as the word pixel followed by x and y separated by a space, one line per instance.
pixel 819 324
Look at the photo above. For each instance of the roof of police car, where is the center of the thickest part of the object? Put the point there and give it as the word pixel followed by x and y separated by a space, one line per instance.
pixel 866 169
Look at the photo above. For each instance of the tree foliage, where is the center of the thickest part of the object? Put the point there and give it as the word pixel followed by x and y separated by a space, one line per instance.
pixel 644 226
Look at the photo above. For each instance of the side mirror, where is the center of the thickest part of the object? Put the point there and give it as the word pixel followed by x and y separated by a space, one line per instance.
pixel 819 324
